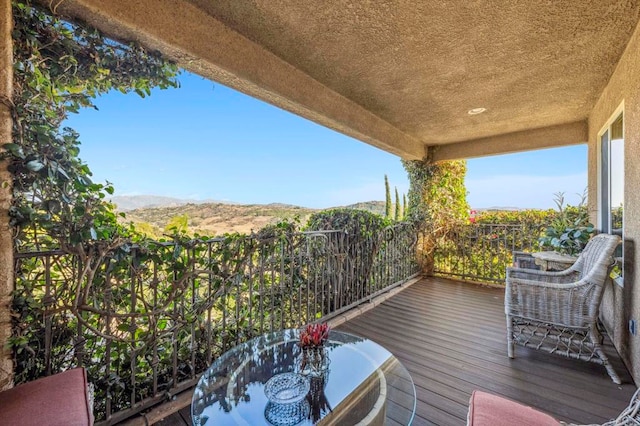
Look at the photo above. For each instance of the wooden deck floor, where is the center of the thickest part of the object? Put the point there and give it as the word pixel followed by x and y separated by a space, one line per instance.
pixel 451 337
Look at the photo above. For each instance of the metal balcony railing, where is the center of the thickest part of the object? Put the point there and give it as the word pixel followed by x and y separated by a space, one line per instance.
pixel 482 252
pixel 149 321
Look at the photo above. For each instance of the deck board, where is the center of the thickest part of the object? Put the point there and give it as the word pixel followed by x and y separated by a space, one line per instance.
pixel 451 337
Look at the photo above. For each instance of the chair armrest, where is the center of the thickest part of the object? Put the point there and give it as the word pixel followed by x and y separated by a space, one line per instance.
pixel 569 304
pixel 559 277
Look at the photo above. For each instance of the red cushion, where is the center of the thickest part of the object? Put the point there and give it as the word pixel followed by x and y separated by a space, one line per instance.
pixel 60 399
pixel 491 410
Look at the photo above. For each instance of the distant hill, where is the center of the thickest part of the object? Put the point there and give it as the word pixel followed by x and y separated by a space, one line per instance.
pixel 377 207
pixel 132 202
pixel 219 218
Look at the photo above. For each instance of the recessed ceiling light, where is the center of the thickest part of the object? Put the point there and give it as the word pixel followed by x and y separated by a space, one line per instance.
pixel 476 111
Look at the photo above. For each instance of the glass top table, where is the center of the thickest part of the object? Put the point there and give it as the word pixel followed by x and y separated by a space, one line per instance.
pixel 362 383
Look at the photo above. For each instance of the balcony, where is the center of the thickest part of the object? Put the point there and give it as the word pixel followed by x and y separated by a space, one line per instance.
pixel 451 337
pixel 162 316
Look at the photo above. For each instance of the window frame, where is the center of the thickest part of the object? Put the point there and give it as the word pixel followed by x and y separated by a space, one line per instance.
pixel 604 181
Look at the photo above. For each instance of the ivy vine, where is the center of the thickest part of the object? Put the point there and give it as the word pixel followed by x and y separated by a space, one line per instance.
pixel 60 67
pixel 437 202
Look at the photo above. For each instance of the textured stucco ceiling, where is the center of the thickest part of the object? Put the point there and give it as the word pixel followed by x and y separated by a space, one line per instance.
pixel 398 74
pixel 421 65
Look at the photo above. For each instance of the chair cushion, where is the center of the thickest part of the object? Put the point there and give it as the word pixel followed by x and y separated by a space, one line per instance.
pixel 491 410
pixel 55 400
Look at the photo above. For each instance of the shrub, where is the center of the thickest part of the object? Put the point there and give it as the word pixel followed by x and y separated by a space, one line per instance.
pixel 570 230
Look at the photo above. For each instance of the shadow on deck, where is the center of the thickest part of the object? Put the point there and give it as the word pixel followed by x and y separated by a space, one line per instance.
pixel 451 336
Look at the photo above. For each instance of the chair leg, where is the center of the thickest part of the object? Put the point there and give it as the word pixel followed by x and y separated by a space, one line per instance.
pixel 595 339
pixel 510 344
pixel 600 331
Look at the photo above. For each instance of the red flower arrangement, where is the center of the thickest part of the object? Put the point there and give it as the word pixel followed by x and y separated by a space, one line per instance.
pixel 314 335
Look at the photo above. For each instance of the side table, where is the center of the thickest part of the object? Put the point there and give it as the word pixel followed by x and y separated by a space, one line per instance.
pixel 553 261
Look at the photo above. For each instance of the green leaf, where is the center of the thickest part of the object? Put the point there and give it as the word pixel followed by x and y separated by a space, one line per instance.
pixel 62 173
pixel 14 149
pixel 53 206
pixel 162 324
pixel 76 89
pixel 177 251
pixel 34 165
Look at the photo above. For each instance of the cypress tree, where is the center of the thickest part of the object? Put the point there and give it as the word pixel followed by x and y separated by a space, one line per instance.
pixel 398 214
pixel 404 206
pixel 387 207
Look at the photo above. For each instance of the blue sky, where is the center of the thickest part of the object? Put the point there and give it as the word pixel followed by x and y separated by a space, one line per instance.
pixel 206 141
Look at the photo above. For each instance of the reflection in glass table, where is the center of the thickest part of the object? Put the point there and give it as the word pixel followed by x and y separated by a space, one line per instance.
pixel 363 384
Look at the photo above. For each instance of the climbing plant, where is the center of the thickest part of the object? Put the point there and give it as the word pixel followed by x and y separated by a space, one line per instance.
pixel 60 67
pixel 418 173
pixel 437 201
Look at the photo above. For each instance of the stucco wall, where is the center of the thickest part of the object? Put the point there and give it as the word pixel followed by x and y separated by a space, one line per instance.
pixel 6 242
pixel 622 304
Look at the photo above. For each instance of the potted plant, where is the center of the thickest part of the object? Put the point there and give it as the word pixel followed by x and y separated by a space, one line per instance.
pixel 570 231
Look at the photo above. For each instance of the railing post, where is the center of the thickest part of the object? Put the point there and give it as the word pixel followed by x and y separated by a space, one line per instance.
pixel 7 282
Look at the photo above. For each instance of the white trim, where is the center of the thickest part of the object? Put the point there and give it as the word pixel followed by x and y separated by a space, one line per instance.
pixel 606 127
pixel 612 118
pixel 599 218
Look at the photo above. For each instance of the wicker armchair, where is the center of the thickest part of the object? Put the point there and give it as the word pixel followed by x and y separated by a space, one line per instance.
pixel 557 312
pixel 630 416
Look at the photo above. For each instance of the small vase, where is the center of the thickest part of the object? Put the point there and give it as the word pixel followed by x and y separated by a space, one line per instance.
pixel 314 361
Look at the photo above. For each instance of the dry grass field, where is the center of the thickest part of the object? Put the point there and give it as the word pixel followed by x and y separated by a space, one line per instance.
pixel 213 219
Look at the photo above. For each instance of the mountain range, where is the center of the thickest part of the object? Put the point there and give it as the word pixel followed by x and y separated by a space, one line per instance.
pixel 131 202
pixel 212 218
